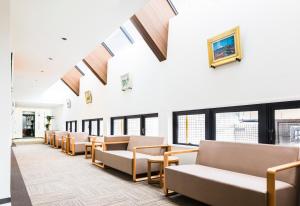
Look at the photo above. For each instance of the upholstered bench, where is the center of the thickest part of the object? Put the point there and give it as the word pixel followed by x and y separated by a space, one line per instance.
pixel 129 154
pixel 58 136
pixel 235 174
pixel 76 142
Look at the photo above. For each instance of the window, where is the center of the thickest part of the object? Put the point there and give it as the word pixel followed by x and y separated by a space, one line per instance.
pixel 285 123
pixel 71 126
pixel 117 126
pixel 190 127
pixel 237 126
pixel 144 124
pixel 118 40
pixel 245 124
pixel 134 126
pixel 151 126
pixel 86 126
pixel 93 126
pixel 131 30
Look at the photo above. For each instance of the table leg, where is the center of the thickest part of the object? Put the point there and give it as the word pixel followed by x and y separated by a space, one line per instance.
pixel 161 165
pixel 85 152
pixel 149 172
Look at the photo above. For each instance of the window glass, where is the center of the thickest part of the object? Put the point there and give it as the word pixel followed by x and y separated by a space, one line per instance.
pixel 190 128
pixel 287 126
pixel 118 127
pixel 151 126
pixel 237 126
pixel 94 127
pixel 134 126
pixel 132 31
pixel 101 127
pixel 73 128
pixel 87 126
pixel 117 41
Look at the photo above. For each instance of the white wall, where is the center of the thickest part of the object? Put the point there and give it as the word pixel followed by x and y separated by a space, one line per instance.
pixel 5 105
pixel 40 121
pixel 268 71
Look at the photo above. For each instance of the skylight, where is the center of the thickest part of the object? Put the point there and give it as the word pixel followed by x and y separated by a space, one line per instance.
pixel 117 41
pixel 122 38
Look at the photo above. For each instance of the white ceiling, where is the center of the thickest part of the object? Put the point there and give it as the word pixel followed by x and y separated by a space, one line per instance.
pixel 36 31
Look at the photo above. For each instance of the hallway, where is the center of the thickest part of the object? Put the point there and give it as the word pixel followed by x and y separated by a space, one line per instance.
pixel 53 178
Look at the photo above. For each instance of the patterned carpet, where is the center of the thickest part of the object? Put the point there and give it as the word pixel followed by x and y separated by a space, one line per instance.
pixel 53 178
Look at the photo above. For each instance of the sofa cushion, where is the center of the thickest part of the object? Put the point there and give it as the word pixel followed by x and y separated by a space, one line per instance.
pixel 122 160
pixel 252 159
pixel 136 141
pixel 225 188
pixel 79 147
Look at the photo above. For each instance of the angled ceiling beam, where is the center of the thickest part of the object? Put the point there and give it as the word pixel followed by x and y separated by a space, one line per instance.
pixel 72 79
pixel 152 22
pixel 97 61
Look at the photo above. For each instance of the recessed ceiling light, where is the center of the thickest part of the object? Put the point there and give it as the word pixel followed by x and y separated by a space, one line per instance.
pixel 50 58
pixel 42 71
pixel 64 38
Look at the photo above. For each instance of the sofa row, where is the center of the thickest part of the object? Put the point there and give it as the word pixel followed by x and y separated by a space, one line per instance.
pixel 224 174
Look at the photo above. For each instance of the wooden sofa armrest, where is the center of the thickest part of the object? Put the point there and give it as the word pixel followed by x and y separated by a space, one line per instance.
pixel 166 161
pixel 167 147
pixel 271 178
pixel 167 154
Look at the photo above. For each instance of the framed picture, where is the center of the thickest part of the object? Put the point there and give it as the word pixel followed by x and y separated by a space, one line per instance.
pixel 126 82
pixel 69 103
pixel 88 97
pixel 224 48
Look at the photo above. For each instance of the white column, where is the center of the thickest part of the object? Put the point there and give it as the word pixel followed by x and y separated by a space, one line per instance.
pixel 5 101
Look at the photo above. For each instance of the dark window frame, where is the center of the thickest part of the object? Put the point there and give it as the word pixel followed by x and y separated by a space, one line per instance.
pixel 98 120
pixel 191 112
pixel 266 119
pixel 71 125
pixel 272 107
pixel 125 119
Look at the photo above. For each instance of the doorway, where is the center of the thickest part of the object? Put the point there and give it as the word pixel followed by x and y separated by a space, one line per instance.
pixel 28 119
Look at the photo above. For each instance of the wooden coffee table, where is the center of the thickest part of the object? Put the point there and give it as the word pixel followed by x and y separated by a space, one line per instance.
pixel 160 160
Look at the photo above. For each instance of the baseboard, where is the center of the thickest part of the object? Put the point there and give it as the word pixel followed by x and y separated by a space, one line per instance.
pixel 5 201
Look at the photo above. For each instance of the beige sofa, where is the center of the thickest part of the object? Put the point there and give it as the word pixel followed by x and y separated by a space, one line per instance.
pixel 48 135
pixel 58 136
pixel 76 142
pixel 128 154
pixel 235 174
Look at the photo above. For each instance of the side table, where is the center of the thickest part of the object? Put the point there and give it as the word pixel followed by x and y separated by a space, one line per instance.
pixel 160 160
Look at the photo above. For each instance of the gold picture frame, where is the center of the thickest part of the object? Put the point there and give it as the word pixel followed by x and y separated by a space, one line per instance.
pixel 88 97
pixel 224 48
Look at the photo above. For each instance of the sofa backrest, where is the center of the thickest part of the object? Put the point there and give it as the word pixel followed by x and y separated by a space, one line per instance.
pixel 60 134
pixel 80 136
pixel 96 138
pixel 49 132
pixel 252 159
pixel 116 138
pixel 136 141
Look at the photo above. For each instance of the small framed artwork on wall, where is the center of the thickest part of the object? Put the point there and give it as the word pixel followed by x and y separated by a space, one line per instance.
pixel 126 82
pixel 224 48
pixel 88 97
